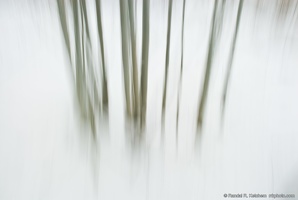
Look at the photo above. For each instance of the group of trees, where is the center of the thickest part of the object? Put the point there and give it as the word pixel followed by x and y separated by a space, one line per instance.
pixel 88 77
pixel 91 98
pixel 135 92
pixel 214 35
pixel 91 81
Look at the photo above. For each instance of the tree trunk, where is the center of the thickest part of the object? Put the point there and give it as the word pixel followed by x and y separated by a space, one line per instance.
pixel 105 97
pixel 80 72
pixel 135 88
pixel 203 97
pixel 63 22
pixel 125 54
pixel 167 60
pixel 88 57
pixel 181 72
pixel 231 57
pixel 145 55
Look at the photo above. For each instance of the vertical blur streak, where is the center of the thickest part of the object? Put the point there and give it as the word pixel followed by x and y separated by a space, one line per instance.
pixel 283 7
pixel 135 88
pixel 167 61
pixel 84 100
pixel 203 97
pixel 80 85
pixel 83 68
pixel 88 66
pixel 181 72
pixel 88 56
pixel 125 54
pixel 219 19
pixel 231 57
pixel 145 55
pixel 105 98
pixel 63 22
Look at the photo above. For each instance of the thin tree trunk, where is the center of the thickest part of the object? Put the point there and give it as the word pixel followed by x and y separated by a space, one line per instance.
pixel 135 89
pixel 181 72
pixel 88 67
pixel 125 54
pixel 105 98
pixel 63 22
pixel 80 72
pixel 88 57
pixel 219 19
pixel 85 17
pixel 167 60
pixel 231 57
pixel 145 55
pixel 204 94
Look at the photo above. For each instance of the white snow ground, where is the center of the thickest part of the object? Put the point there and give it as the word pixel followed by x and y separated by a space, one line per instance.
pixel 45 153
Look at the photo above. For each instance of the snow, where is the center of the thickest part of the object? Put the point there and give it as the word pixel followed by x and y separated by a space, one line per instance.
pixel 46 153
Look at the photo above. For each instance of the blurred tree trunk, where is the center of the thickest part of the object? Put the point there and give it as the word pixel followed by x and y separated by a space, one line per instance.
pixel 167 60
pixel 105 97
pixel 125 54
pixel 283 7
pixel 181 72
pixel 135 88
pixel 80 72
pixel 203 97
pixel 231 57
pixel 145 55
pixel 63 23
pixel 86 89
pixel 93 88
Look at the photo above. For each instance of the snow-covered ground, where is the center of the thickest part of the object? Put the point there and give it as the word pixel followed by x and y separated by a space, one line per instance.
pixel 46 153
